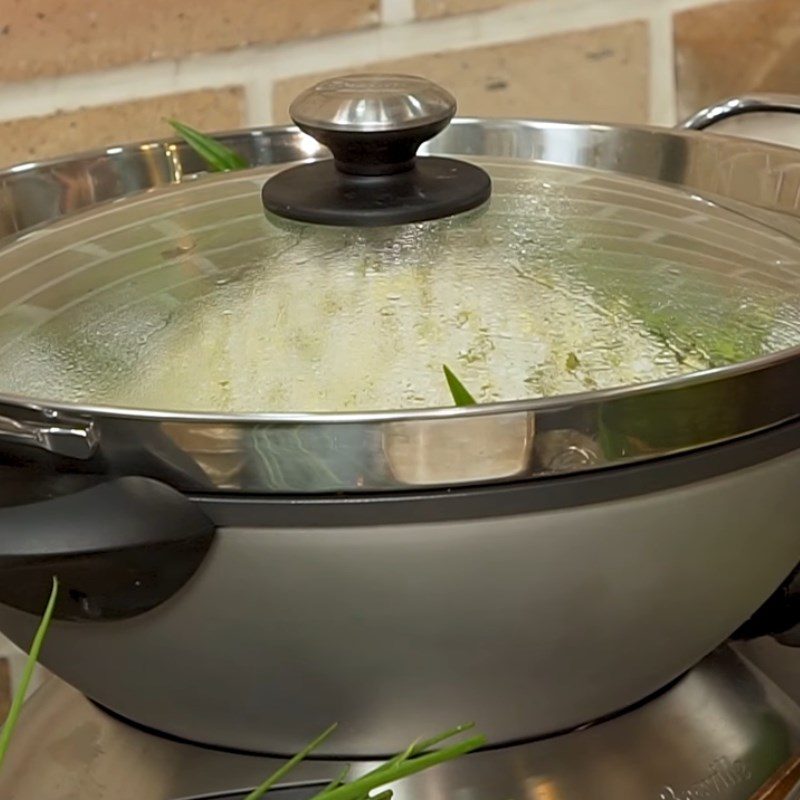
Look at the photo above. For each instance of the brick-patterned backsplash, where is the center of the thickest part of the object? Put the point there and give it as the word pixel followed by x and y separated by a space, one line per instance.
pixel 78 74
pixel 739 45
pixel 32 138
pixel 428 9
pixel 53 37
pixel 592 74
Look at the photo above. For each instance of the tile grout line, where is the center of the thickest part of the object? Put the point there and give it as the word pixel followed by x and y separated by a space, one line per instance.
pixel 258 101
pixel 684 5
pixel 662 68
pixel 396 12
pixel 141 81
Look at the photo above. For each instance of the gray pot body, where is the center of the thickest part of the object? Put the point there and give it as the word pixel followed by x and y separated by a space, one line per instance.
pixel 525 623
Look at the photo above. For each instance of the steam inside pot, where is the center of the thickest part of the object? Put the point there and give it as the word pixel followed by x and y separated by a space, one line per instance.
pixel 191 299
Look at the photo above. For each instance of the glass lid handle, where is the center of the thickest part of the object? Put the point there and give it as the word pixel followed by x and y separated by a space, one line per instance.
pixel 373 126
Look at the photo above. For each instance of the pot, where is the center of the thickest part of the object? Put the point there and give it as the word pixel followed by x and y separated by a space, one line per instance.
pixel 243 576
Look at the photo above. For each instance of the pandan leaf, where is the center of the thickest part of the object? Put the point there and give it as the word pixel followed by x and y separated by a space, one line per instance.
pixel 27 673
pixel 461 396
pixel 218 157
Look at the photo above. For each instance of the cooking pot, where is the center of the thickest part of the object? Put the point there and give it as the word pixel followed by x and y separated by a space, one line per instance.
pixel 245 573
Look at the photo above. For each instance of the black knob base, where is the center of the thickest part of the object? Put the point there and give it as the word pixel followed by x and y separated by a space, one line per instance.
pixel 321 193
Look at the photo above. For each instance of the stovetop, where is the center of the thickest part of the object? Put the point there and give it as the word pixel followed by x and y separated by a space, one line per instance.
pixel 728 730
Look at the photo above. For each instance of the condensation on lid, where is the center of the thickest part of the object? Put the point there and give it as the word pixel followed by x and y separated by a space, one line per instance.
pixel 192 299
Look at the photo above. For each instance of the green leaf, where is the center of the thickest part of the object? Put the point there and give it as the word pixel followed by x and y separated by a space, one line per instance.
pixel 398 759
pixel 461 396
pixel 218 157
pixel 280 773
pixel 336 782
pixel 27 673
pixel 414 759
pixel 426 744
pixel 389 774
pixel 417 748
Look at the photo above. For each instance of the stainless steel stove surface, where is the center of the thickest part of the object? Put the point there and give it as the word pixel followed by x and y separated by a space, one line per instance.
pixel 726 730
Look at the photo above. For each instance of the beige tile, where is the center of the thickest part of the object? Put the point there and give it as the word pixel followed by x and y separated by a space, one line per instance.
pixel 52 37
pixel 429 9
pixel 733 47
pixel 598 74
pixel 5 688
pixel 87 128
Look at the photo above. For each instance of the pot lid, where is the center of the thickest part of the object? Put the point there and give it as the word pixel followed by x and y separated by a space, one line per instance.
pixel 195 299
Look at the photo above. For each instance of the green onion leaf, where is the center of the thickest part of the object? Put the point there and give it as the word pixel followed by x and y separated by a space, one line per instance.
pixel 336 782
pixel 218 157
pixel 398 759
pixel 423 746
pixel 280 773
pixel 461 396
pixel 389 774
pixel 27 673
pixel 426 744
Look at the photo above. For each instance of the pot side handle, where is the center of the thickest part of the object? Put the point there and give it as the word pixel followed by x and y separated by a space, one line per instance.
pixel 119 549
pixel 737 106
pixel 779 616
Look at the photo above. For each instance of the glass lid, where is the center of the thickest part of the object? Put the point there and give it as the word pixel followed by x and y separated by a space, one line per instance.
pixel 194 298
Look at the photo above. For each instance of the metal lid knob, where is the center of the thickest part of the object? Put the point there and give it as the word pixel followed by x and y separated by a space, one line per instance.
pixel 370 103
pixel 373 126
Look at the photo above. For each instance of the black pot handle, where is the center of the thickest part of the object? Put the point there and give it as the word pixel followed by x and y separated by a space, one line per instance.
pixel 119 549
pixel 779 616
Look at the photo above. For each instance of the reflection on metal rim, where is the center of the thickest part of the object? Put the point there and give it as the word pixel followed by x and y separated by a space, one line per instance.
pixel 391 451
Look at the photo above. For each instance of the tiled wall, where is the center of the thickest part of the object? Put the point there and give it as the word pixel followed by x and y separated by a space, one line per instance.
pixel 77 74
